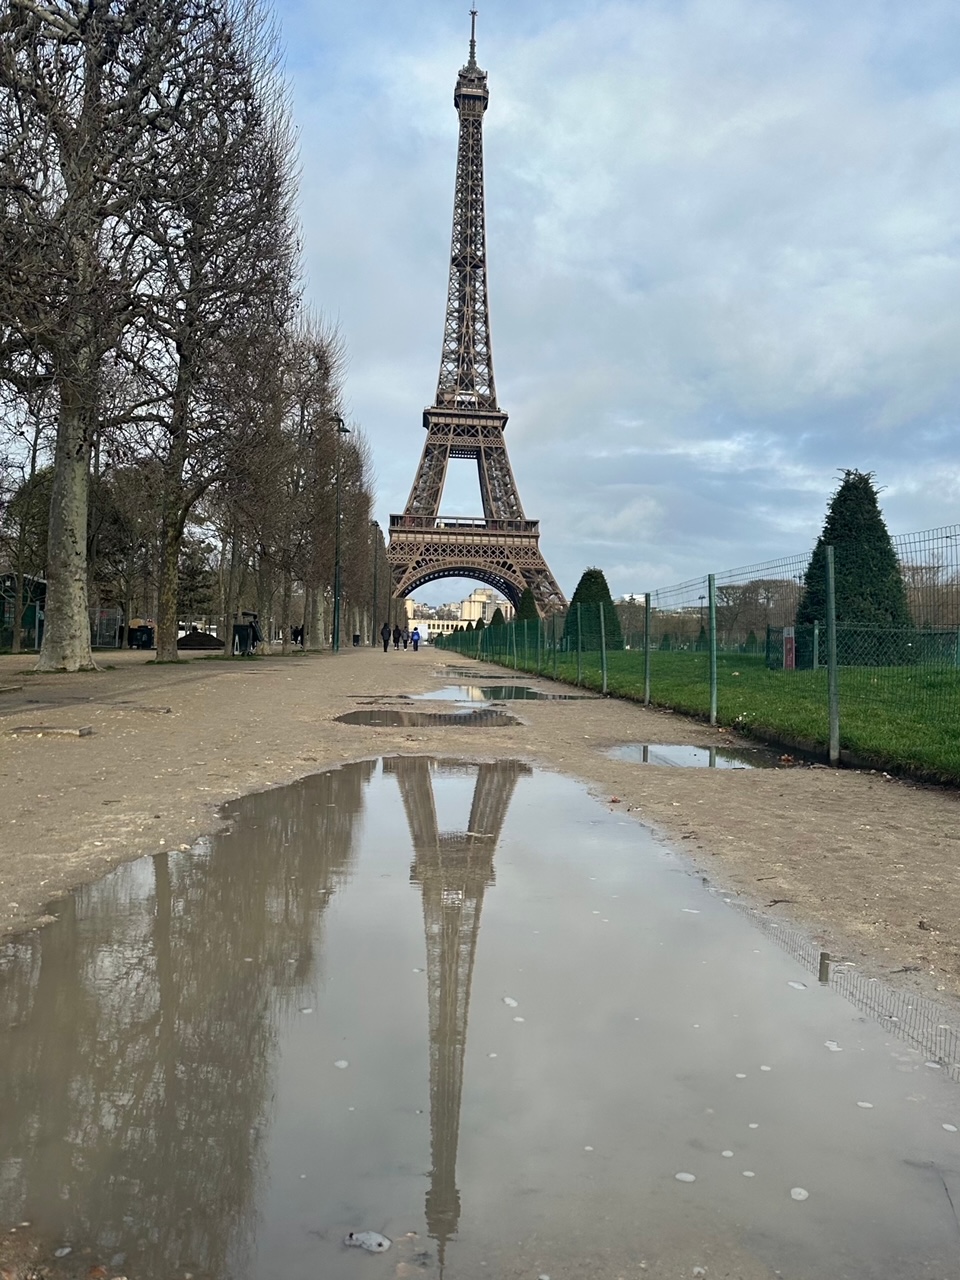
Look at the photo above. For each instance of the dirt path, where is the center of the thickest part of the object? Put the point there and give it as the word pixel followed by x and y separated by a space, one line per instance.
pixel 869 865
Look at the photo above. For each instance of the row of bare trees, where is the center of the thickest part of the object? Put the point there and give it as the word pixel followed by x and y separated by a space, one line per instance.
pixel 161 381
pixel 746 609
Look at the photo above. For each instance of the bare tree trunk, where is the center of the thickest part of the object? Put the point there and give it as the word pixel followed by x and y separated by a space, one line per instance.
pixel 174 509
pixel 319 613
pixel 232 593
pixel 286 612
pixel 265 599
pixel 66 634
pixel 167 590
pixel 171 536
pixel 18 609
pixel 310 638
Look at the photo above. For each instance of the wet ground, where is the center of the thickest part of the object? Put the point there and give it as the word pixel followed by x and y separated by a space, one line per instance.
pixel 471 1008
pixel 686 757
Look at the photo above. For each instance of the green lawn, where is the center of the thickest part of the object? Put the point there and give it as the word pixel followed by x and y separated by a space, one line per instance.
pixel 903 719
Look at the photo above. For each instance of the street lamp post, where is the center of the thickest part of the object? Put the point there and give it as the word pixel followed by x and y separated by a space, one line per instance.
pixel 375 542
pixel 342 430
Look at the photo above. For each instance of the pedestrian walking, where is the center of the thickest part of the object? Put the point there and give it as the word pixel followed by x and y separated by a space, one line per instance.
pixel 415 638
pixel 405 637
pixel 385 636
pixel 397 636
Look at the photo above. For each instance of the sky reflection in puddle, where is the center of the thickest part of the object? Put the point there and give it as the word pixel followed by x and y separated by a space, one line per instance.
pixel 465 1001
pixel 494 693
pixel 686 757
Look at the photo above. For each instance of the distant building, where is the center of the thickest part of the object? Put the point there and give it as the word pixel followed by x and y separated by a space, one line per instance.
pixel 483 603
pixel 443 619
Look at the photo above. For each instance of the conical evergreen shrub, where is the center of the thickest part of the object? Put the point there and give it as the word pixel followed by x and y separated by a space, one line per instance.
pixel 497 620
pixel 592 594
pixel 527 610
pixel 480 625
pixel 874 626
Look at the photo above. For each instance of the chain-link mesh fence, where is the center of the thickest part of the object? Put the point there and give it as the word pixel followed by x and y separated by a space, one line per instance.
pixel 879 681
pixel 901 685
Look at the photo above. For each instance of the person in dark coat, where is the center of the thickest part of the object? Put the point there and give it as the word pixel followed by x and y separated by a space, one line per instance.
pixel 406 636
pixel 397 636
pixel 385 636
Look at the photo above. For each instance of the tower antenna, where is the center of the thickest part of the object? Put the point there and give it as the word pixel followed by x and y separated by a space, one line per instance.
pixel 472 62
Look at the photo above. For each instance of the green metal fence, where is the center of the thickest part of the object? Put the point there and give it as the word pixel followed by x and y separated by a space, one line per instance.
pixel 726 647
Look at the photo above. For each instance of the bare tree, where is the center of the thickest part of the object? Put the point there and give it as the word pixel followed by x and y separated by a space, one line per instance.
pixel 220 215
pixel 87 89
pixel 356 552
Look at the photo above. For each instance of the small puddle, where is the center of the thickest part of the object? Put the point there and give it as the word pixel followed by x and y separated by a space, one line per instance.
pixel 494 693
pixel 686 757
pixel 396 717
pixel 465 1009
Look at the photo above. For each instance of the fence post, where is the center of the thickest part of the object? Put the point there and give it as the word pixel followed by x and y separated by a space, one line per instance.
pixel 816 646
pixel 833 683
pixel 513 639
pixel 646 649
pixel 603 650
pixel 580 646
pixel 553 636
pixel 539 637
pixel 712 605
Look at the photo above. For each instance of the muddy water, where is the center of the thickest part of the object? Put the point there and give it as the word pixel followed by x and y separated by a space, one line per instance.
pixel 466 1002
pixel 395 717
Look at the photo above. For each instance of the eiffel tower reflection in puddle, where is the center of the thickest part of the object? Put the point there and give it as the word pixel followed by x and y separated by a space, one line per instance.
pixel 453 869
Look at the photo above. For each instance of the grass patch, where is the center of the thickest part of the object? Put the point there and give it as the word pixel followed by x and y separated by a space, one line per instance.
pixel 905 719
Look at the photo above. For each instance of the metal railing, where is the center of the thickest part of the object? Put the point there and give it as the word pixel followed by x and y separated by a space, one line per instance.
pixel 462 524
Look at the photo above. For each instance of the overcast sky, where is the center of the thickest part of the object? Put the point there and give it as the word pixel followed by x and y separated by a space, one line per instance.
pixel 724 258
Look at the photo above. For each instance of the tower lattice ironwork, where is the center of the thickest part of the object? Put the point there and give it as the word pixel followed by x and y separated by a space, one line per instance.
pixel 453 870
pixel 501 548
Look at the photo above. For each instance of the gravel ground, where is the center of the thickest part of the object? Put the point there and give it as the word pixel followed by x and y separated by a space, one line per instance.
pixel 868 865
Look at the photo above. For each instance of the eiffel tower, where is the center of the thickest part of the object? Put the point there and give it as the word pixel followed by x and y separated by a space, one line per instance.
pixel 501 548
pixel 453 870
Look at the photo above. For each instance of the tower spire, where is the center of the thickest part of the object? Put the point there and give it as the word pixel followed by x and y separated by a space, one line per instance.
pixel 466 362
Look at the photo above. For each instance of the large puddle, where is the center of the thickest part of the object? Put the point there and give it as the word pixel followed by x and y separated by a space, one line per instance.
pixel 470 1003
pixel 686 757
pixel 397 718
